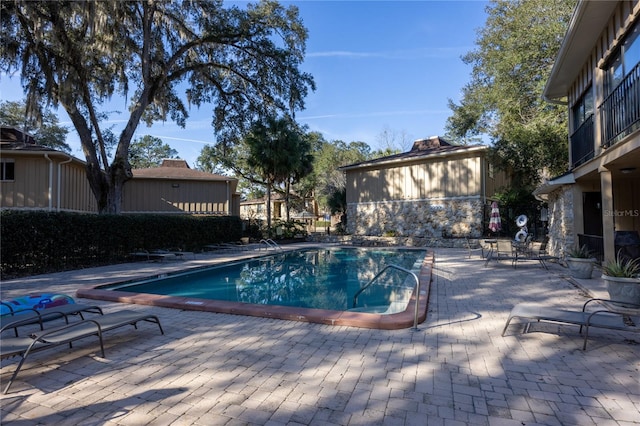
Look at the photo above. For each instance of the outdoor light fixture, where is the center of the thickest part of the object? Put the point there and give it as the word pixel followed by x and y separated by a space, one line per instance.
pixel 627 170
pixel 175 185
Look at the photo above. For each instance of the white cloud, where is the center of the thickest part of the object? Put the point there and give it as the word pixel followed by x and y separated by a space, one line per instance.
pixel 203 142
pixel 419 53
pixel 376 114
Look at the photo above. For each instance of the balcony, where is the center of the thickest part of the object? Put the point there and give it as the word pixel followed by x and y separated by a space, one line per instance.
pixel 620 111
pixel 582 141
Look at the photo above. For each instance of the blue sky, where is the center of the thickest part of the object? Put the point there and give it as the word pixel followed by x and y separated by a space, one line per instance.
pixel 379 66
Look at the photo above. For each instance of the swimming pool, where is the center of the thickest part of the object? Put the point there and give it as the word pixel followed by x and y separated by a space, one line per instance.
pixel 316 285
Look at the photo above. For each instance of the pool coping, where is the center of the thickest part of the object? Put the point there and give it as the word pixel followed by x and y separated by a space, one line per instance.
pixel 394 321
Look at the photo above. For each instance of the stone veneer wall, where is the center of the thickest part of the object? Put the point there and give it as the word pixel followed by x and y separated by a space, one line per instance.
pixel 370 241
pixel 421 219
pixel 561 225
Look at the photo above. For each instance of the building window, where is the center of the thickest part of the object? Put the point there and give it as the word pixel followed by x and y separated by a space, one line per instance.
pixel 7 170
pixel 624 60
pixel 582 139
pixel 583 109
pixel 619 112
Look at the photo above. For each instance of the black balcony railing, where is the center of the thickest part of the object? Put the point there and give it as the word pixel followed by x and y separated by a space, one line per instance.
pixel 582 141
pixel 620 111
pixel 594 243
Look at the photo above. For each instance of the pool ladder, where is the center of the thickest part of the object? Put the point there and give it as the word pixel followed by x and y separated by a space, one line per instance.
pixel 400 268
pixel 270 244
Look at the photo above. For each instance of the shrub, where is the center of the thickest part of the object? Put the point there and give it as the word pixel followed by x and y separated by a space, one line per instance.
pixel 622 268
pixel 580 252
pixel 36 242
pixel 289 229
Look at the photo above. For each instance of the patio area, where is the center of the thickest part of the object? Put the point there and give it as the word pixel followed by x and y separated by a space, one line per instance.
pixel 216 369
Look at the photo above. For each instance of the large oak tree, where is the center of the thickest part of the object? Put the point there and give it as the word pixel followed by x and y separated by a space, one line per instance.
pixel 163 57
pixel 514 53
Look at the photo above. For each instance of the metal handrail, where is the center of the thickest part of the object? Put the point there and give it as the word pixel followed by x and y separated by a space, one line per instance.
pixel 271 244
pixel 417 289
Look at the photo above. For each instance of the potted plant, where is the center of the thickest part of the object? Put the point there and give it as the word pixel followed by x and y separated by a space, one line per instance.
pixel 580 262
pixel 622 277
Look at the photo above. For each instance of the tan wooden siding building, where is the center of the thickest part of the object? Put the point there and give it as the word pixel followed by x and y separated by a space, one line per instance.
pixel 257 208
pixel 40 178
pixel 175 188
pixel 434 190
pixel 36 177
pixel 597 75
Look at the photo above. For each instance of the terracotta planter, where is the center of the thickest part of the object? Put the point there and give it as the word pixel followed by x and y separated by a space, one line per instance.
pixel 623 289
pixel 580 267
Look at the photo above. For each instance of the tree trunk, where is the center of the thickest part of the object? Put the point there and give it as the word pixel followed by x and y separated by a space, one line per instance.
pixel 269 209
pixel 118 173
pixel 286 200
pixel 99 185
pixel 106 185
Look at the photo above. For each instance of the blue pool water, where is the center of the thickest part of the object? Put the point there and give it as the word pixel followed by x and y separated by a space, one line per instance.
pixel 326 278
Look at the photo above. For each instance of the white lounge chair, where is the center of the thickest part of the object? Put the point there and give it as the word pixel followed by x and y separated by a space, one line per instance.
pixel 47 339
pixel 34 316
pixel 608 314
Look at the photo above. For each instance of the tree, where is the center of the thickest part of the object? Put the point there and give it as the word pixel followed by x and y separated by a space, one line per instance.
pixel 514 55
pixel 278 153
pixel 393 141
pixel 298 161
pixel 207 160
pixel 244 61
pixel 223 159
pixel 43 125
pixel 327 180
pixel 300 165
pixel 149 151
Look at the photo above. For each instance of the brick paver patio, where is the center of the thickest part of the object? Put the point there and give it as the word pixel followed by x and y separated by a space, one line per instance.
pixel 456 369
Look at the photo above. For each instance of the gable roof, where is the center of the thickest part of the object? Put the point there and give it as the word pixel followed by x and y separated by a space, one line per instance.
pixel 434 146
pixel 177 169
pixel 18 142
pixel 14 141
pixel 274 197
pixel 13 136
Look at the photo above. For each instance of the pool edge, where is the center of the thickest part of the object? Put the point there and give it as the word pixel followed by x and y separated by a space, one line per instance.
pixel 395 321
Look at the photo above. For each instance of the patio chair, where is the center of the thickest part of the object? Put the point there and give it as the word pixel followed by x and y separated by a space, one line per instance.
pixel 179 254
pixel 34 316
pixel 151 255
pixel 47 339
pixel 609 314
pixel 522 250
pixel 503 251
pixel 541 254
pixel 183 254
pixel 471 249
pixel 235 247
pixel 214 247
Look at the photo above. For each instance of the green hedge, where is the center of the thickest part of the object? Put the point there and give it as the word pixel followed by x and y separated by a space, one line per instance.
pixel 35 242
